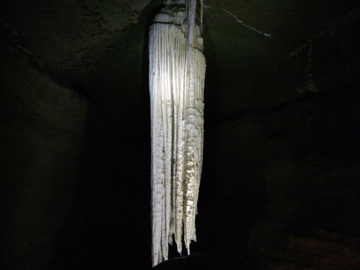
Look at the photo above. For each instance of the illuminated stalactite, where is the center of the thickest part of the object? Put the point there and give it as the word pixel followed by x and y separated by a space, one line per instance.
pixel 177 73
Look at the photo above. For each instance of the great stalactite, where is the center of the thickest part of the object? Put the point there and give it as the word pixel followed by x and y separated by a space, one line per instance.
pixel 177 75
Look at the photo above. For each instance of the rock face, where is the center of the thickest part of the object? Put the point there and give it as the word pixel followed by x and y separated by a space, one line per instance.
pixel 311 149
pixel 41 134
pixel 69 39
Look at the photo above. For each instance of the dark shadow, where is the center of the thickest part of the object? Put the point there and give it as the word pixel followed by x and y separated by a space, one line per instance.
pixel 109 227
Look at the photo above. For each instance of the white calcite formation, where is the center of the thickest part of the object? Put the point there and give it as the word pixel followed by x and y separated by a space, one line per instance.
pixel 177 74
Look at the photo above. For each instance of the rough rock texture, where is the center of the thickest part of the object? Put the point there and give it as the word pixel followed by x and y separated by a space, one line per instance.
pixel 243 55
pixel 312 148
pixel 69 38
pixel 40 140
pixel 290 160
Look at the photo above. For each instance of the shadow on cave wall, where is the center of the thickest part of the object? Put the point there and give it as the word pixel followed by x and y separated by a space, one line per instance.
pixel 110 224
pixel 109 227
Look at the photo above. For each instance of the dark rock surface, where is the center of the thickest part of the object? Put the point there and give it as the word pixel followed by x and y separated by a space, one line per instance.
pixel 280 185
pixel 312 174
pixel 41 134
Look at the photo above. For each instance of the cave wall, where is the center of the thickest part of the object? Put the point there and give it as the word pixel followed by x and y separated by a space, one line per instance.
pixel 71 163
pixel 288 171
pixel 69 38
pixel 40 140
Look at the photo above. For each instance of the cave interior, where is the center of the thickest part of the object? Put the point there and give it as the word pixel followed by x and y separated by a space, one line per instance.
pixel 281 173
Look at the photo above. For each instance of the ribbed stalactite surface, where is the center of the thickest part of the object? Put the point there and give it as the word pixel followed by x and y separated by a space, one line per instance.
pixel 177 72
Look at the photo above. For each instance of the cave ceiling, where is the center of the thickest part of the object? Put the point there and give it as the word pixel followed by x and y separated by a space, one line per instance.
pixel 99 47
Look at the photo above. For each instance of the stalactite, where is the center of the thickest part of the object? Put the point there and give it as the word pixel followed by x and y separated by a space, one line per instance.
pixel 177 73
